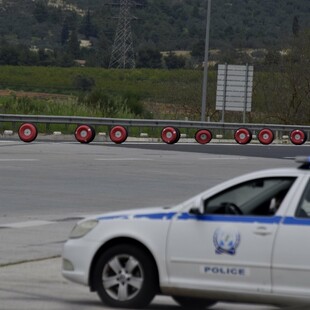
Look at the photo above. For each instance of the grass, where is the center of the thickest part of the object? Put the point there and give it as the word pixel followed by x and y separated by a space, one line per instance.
pixel 180 88
pixel 156 84
pixel 163 94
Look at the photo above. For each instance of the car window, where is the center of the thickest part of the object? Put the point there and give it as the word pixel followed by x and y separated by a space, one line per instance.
pixel 256 197
pixel 303 209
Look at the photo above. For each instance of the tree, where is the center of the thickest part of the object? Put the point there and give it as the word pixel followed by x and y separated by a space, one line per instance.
pixel 87 27
pixel 64 60
pixel 286 88
pixel 27 57
pixel 198 50
pixel 9 55
pixel 64 32
pixel 295 26
pixel 100 55
pixel 73 44
pixel 173 61
pixel 149 58
pixel 272 58
pixel 40 11
pixel 46 58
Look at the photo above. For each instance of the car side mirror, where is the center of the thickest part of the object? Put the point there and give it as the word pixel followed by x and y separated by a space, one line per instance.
pixel 198 210
pixel 195 211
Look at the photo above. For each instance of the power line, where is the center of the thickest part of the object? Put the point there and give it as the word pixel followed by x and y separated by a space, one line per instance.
pixel 123 56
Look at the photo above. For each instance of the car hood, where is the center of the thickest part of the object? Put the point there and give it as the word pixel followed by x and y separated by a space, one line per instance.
pixel 152 213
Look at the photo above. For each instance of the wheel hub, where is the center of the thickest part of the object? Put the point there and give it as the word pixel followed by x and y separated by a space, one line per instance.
pixel 122 277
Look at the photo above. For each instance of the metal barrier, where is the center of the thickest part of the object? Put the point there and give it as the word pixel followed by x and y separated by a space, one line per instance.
pixel 85 133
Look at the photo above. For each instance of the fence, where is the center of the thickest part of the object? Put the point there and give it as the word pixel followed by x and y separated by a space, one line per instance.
pixel 170 133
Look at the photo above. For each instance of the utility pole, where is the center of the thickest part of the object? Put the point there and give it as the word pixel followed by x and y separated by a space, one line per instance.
pixel 123 56
pixel 205 71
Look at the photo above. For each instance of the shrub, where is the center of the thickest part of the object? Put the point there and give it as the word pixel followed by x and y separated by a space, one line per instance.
pixel 83 83
pixel 110 105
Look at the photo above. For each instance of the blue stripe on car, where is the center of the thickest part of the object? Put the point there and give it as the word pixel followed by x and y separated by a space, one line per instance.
pixel 231 218
pixel 156 216
pixel 113 217
pixel 212 218
pixel 296 221
pixel 152 216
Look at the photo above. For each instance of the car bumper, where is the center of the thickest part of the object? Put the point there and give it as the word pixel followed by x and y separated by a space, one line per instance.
pixel 77 256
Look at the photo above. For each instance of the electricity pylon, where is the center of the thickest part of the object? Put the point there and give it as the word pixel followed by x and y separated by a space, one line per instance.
pixel 123 56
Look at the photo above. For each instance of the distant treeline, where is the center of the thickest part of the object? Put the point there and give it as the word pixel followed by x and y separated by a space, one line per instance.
pixel 281 91
pixel 164 25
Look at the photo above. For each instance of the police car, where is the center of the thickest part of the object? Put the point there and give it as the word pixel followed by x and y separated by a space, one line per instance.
pixel 244 240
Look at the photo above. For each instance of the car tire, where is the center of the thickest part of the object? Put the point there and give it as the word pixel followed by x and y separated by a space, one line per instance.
pixel 265 136
pixel 27 132
pixel 118 134
pixel 194 303
pixel 170 135
pixel 179 135
pixel 93 133
pixel 203 136
pixel 125 277
pixel 84 134
pixel 243 136
pixel 298 137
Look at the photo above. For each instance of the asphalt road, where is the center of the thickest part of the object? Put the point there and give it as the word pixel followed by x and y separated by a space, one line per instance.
pixel 45 187
pixel 284 151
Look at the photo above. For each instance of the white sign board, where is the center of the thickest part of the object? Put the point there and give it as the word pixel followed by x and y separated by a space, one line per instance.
pixel 234 88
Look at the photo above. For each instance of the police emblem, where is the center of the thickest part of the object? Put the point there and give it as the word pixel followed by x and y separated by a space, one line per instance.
pixel 226 240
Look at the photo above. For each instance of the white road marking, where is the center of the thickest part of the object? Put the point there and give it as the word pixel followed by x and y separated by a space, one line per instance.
pixel 17 159
pixel 223 158
pixel 123 159
pixel 34 223
pixel 26 224
pixel 152 159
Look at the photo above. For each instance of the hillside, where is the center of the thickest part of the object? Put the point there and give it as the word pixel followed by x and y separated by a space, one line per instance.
pixel 164 24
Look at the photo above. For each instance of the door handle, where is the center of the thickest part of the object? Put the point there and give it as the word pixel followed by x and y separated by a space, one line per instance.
pixel 262 231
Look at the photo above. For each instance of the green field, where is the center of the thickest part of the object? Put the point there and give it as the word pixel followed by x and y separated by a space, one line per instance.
pixel 158 85
pixel 155 88
pixel 161 94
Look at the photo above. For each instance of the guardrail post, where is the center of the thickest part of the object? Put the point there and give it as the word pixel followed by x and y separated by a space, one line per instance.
pixel 14 126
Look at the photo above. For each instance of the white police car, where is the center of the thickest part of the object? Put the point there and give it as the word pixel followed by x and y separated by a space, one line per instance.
pixel 246 240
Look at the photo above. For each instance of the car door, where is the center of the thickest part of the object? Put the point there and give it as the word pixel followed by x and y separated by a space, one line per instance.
pixel 229 246
pixel 291 259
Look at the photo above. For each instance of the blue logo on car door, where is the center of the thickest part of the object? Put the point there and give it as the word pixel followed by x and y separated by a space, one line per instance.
pixel 226 240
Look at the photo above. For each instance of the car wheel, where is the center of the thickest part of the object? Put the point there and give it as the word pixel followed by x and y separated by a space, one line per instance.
pixel 125 277
pixel 193 303
pixel 243 136
pixel 170 135
pixel 118 134
pixel 28 132
pixel 298 137
pixel 203 136
pixel 265 136
pixel 84 134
